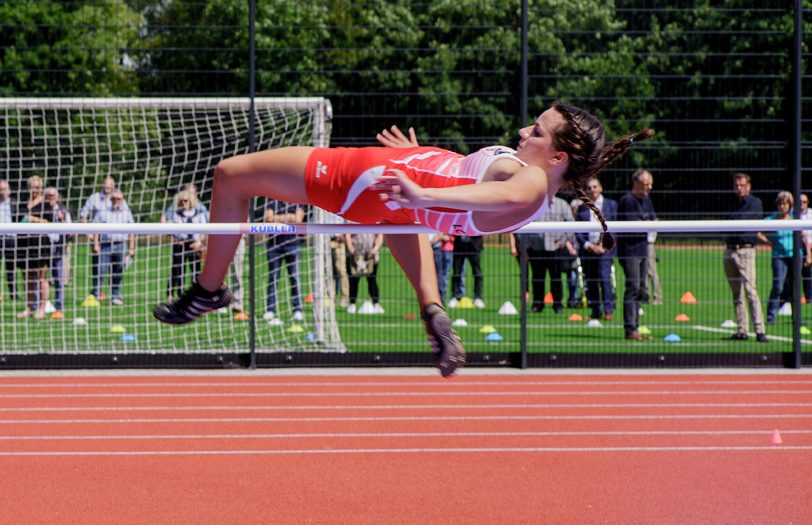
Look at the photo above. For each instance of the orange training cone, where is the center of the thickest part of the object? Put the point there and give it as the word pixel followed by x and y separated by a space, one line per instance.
pixel 681 318
pixel 575 317
pixel 777 438
pixel 688 298
pixel 309 298
pixel 803 300
pixel 548 299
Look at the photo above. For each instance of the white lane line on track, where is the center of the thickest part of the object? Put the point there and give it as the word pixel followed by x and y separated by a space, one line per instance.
pixel 432 384
pixel 102 395
pixel 624 417
pixel 368 451
pixel 401 407
pixel 760 432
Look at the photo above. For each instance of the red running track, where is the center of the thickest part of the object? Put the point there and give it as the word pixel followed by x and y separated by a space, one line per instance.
pixel 381 449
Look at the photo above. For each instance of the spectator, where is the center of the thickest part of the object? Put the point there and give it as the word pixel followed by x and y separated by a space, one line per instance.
pixel 575 272
pixel 782 243
pixel 60 250
pixel 235 267
pixel 8 244
pixel 187 248
pixel 168 215
pixel 362 261
pixel 236 273
pixel 442 245
pixel 597 262
pixel 115 250
pixel 338 251
pixel 806 238
pixel 652 293
pixel 97 202
pixel 34 251
pixel 632 249
pixel 283 248
pixel 547 253
pixel 740 260
pixel 468 248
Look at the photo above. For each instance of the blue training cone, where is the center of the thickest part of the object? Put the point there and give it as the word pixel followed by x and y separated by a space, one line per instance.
pixel 493 337
pixel 673 338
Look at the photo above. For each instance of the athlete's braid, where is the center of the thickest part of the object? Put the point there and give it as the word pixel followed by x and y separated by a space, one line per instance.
pixel 584 140
pixel 607 240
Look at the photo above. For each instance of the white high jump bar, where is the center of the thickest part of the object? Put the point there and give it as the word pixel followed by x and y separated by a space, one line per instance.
pixel 234 228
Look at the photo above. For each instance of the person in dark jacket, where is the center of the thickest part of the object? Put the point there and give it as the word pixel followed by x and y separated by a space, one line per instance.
pixel 595 260
pixel 740 260
pixel 632 249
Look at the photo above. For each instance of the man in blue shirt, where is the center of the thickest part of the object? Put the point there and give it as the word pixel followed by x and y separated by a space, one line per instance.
pixel 283 248
pixel 632 249
pixel 113 249
pixel 596 261
pixel 740 260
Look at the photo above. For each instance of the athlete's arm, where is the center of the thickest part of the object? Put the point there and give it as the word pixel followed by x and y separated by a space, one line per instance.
pixel 526 188
pixel 394 138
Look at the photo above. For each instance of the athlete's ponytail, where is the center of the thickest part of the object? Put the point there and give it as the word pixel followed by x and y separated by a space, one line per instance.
pixel 584 140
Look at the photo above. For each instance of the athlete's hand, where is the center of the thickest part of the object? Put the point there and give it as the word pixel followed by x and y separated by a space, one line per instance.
pixel 394 138
pixel 394 186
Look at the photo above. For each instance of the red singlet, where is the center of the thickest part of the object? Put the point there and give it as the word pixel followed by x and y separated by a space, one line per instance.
pixel 340 181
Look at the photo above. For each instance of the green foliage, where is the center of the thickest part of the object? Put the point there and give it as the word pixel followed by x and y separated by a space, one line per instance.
pixel 72 48
pixel 450 68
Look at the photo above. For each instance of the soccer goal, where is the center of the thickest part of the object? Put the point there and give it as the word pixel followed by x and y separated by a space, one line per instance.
pixel 160 154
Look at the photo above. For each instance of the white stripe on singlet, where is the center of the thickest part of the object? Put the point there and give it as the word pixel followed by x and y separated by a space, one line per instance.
pixel 473 166
pixel 364 181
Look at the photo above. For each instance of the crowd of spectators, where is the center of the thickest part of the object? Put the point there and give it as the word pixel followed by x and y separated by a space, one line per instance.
pixel 35 265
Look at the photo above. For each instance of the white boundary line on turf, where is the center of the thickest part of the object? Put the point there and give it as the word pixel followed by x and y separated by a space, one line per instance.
pixel 287 408
pixel 751 334
pixel 445 418
pixel 367 451
pixel 107 437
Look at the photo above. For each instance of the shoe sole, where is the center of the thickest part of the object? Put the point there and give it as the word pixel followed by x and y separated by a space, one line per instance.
pixel 453 354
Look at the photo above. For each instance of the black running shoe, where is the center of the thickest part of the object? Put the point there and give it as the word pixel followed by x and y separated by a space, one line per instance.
pixel 448 351
pixel 194 302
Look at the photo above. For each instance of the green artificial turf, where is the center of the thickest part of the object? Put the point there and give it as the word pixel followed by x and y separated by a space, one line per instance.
pixel 681 270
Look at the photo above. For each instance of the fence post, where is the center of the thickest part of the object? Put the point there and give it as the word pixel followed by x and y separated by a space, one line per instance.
pixel 252 122
pixel 797 262
pixel 522 303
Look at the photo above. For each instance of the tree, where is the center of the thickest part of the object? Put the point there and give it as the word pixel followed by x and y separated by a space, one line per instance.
pixel 67 48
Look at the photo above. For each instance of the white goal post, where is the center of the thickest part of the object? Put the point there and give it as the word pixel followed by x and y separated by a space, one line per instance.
pixel 153 148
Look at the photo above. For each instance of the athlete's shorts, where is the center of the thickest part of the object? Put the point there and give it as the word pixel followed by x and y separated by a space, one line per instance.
pixel 340 180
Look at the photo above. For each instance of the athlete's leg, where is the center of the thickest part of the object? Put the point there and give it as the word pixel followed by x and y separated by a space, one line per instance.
pixel 414 255
pixel 276 173
pixel 279 174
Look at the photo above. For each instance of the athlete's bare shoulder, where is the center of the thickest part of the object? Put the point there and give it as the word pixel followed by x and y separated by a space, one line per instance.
pixel 503 169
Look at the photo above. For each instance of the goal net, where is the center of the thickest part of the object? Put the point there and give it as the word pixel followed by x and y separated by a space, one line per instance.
pixel 97 296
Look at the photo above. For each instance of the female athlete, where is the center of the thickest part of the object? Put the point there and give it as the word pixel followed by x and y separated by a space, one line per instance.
pixel 494 190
